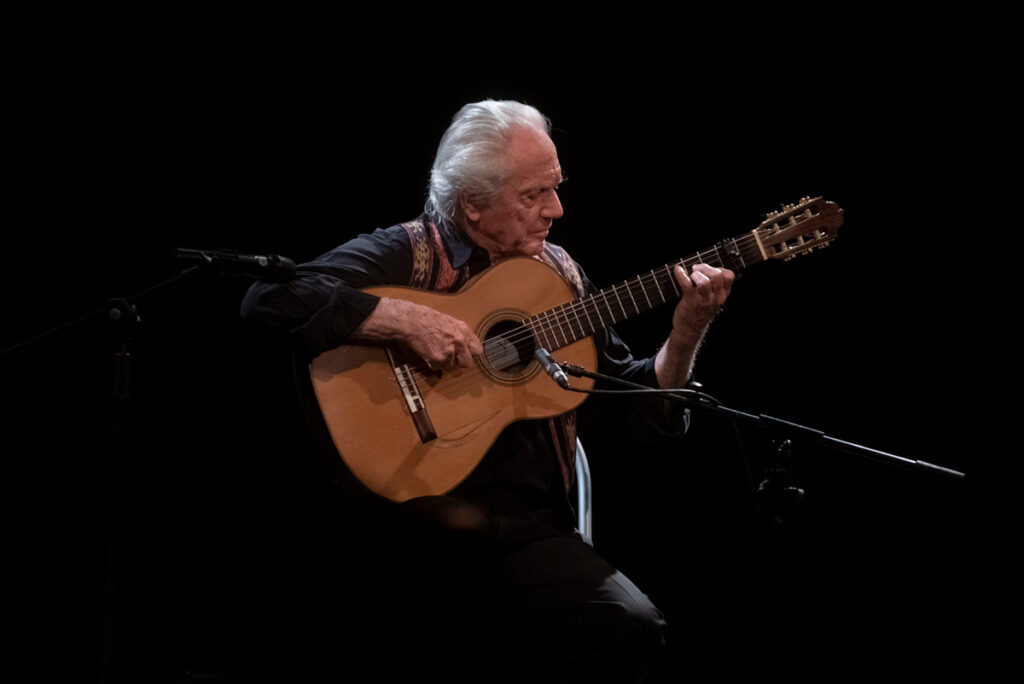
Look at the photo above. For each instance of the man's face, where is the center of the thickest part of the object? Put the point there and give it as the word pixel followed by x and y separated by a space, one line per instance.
pixel 517 222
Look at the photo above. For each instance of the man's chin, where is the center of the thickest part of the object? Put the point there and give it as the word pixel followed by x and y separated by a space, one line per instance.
pixel 535 249
pixel 530 247
pixel 535 245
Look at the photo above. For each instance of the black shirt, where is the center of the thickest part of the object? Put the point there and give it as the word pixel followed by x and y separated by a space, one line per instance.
pixel 324 304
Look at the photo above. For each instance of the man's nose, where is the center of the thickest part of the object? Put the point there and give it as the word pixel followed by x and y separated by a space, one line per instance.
pixel 553 206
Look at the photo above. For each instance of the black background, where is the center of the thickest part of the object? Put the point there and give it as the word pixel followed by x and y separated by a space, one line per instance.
pixel 287 131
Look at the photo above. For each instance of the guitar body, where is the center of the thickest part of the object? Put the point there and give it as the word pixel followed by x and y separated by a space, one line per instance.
pixel 406 432
pixel 368 405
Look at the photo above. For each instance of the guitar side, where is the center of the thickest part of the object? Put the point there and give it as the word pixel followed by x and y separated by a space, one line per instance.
pixel 370 417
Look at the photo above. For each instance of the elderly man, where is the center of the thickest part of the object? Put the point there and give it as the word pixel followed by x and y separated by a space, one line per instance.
pixel 493 195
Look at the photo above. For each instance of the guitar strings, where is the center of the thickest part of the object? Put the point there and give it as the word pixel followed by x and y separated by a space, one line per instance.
pixel 560 318
pixel 542 328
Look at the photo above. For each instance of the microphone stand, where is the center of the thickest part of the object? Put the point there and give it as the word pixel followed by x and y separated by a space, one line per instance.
pixel 122 315
pixel 786 432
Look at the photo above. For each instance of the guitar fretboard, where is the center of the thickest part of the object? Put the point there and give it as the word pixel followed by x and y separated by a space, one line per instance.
pixel 580 318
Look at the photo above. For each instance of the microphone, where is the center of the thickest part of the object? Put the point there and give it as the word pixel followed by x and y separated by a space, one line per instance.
pixel 270 267
pixel 551 367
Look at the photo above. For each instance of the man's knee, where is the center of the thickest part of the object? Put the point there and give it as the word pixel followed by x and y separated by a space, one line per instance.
pixel 644 628
pixel 640 632
pixel 639 612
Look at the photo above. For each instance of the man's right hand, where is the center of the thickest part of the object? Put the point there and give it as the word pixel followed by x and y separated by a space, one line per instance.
pixel 442 341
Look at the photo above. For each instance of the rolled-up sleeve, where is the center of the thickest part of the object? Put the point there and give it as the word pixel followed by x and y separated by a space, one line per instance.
pixel 324 304
pixel 640 418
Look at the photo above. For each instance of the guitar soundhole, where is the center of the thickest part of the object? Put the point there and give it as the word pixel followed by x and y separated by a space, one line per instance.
pixel 509 347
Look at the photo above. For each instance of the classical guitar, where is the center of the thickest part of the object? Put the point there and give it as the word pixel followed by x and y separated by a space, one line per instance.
pixel 405 431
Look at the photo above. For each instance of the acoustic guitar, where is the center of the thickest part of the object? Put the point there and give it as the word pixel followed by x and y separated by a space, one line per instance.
pixel 405 431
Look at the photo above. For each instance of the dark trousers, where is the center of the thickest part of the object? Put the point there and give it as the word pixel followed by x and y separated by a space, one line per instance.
pixel 522 601
pixel 584 619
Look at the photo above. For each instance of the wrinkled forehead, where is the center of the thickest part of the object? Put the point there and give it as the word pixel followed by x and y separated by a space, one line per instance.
pixel 531 157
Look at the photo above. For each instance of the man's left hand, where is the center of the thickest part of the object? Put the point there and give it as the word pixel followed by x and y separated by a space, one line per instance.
pixel 704 292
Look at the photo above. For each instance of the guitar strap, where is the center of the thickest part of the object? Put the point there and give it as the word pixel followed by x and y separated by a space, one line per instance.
pixel 563 427
pixel 431 270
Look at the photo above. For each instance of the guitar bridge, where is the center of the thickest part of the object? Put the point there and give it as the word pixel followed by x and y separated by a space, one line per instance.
pixel 413 398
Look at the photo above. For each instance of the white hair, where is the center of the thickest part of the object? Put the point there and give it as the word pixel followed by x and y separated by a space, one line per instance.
pixel 470 158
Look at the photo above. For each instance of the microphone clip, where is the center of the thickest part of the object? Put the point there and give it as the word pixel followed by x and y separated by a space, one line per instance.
pixel 551 367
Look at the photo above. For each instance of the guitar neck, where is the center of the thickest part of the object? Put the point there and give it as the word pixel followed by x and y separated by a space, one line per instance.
pixel 795 229
pixel 580 318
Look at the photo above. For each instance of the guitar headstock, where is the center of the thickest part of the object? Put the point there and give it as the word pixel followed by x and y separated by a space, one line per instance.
pixel 798 228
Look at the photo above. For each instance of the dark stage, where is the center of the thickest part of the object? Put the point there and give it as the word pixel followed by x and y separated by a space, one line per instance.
pixel 288 132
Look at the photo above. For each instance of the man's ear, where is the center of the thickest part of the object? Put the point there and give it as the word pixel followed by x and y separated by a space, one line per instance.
pixel 469 209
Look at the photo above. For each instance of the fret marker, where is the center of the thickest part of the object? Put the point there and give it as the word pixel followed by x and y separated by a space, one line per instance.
pixel 662 294
pixel 597 310
pixel 565 340
pixel 644 290
pixel 586 313
pixel 630 293
pixel 615 291
pixel 672 279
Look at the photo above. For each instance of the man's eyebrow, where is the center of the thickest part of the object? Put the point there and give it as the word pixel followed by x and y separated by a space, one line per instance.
pixel 544 186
